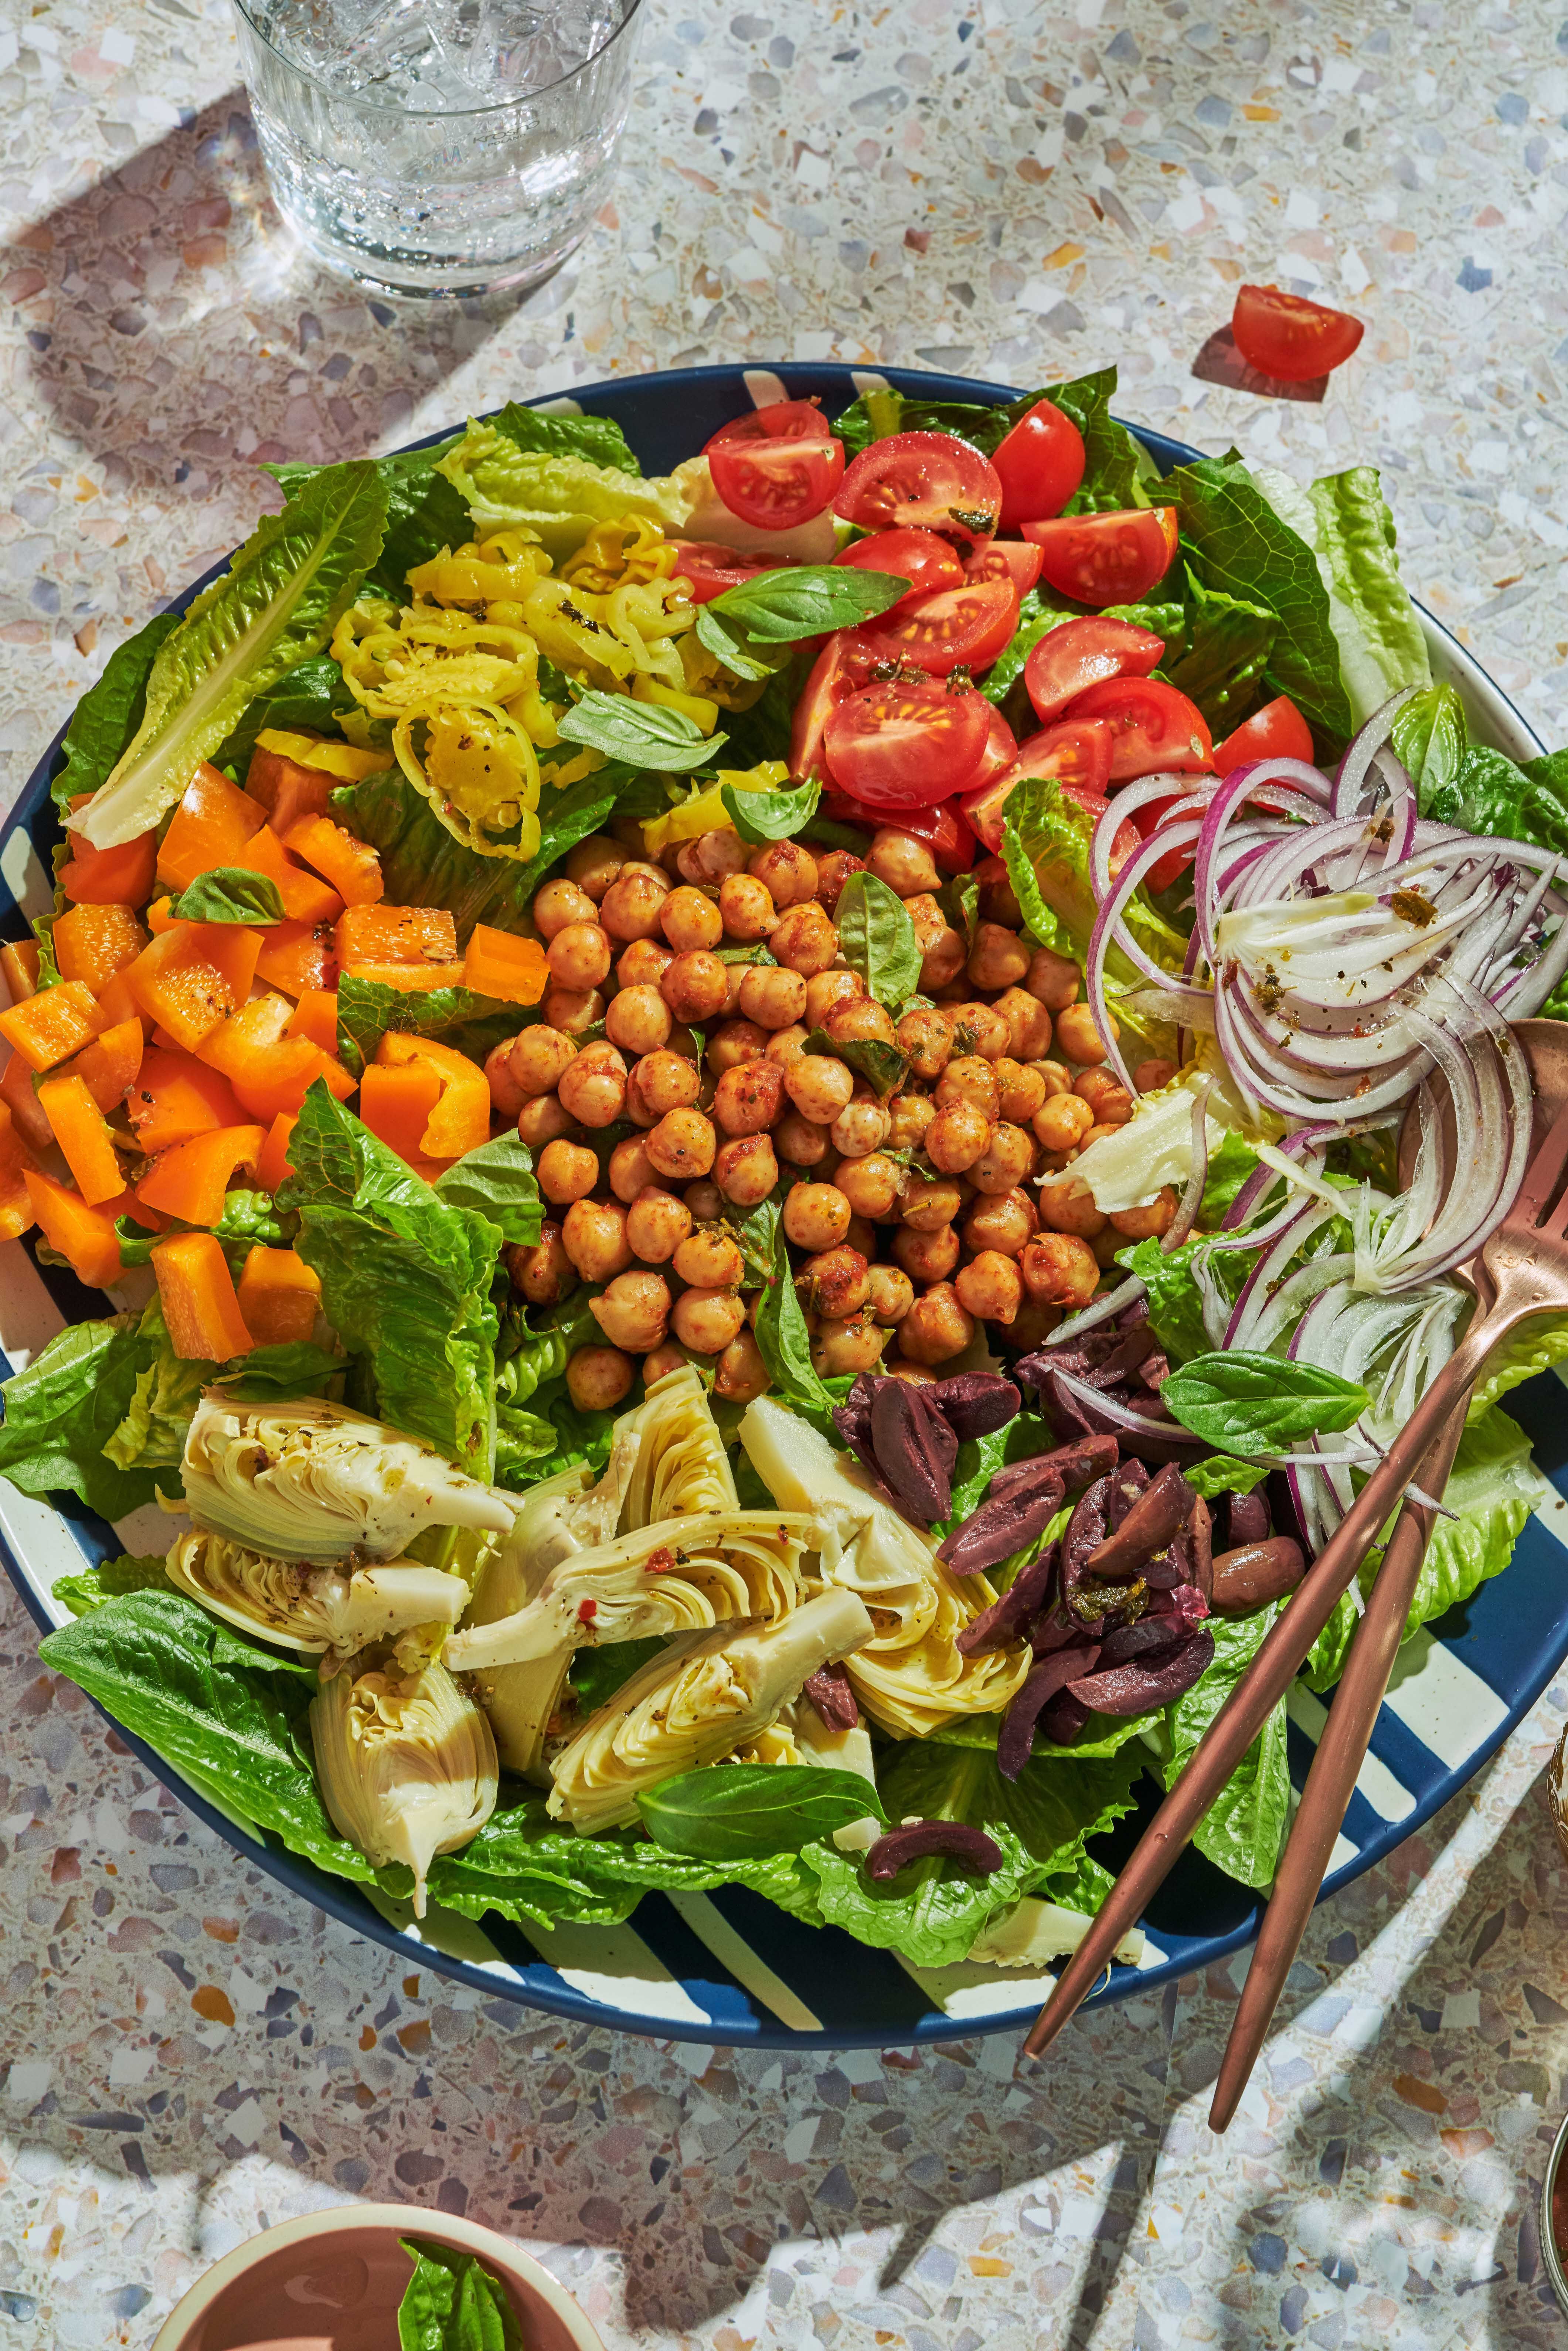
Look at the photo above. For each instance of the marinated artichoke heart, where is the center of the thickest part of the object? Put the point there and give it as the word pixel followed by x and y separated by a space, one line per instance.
pixel 680 1463
pixel 315 1481
pixel 407 1766
pixel 708 1695
pixel 316 1610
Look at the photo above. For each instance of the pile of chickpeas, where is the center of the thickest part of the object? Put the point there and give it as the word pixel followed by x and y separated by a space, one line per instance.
pixel 916 1218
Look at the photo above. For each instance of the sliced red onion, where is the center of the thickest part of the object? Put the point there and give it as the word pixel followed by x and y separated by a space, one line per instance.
pixel 1123 1416
pixel 1191 1199
pixel 1100 1309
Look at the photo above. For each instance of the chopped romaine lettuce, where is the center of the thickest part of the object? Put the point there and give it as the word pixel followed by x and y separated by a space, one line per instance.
pixel 549 491
pixel 109 714
pixel 1241 1830
pixel 1344 519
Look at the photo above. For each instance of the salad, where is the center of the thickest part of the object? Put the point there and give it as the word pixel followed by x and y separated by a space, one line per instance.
pixel 768 1148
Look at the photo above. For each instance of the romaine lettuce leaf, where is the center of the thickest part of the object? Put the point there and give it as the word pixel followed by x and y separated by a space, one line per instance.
pixel 110 711
pixel 62 1410
pixel 550 491
pixel 249 1218
pixel 1176 1302
pixel 1045 847
pixel 536 429
pixel 1230 1166
pixel 94 1587
pixel 1240 1832
pixel 152 1436
pixel 1114 465
pixel 1226 648
pixel 498 1180
pixel 1431 737
pixel 311 700
pixel 1344 519
pixel 1536 1346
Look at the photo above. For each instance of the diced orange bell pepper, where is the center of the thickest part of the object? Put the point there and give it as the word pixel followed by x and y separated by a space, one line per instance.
pixel 413 978
pixel 351 866
pixel 117 1004
pixel 121 876
pixel 306 897
pixel 398 1104
pixel 499 964
pixel 197 1293
pixel 108 1066
pixel 461 1119
pixel 82 1133
pixel 84 1235
pixel 48 1027
pixel 176 1098
pixel 286 790
pixel 417 934
pixel 189 1182
pixel 269 1070
pixel 20 1097
pixel 278 1296
pixel 297 958
pixel 93 943
pixel 190 978
pixel 315 1017
pixel 210 828
pixel 273 1166
pixel 15 1159
pixel 160 916
pixel 19 968
pixel 152 1220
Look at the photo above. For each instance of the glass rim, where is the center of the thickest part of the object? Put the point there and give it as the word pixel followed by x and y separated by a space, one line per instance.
pixel 433 113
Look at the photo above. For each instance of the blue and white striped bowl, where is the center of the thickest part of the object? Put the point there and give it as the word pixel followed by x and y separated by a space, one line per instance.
pixel 728 1967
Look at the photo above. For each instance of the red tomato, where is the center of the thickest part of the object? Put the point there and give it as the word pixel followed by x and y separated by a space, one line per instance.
pixel 774 485
pixel 955 628
pixel 1288 338
pixel 1278 731
pixel 1001 750
pixel 903 745
pixel 1169 868
pixel 1076 755
pixel 1077 654
pixel 708 569
pixel 918 555
pixel 840 669
pixel 1106 559
pixel 1006 559
pixel 1040 464
pixel 786 420
pixel 1151 726
pixel 941 828
pixel 921 481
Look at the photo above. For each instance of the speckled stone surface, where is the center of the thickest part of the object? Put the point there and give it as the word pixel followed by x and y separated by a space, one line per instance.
pixel 1019 190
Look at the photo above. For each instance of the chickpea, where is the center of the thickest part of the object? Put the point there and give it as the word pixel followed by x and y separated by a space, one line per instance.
pixel 1006 1159
pixel 1061 1122
pixel 1053 979
pixel 1078 1037
pixel 990 1287
pixel 538 1059
pixel 1033 1325
pixel 1110 1101
pixel 854 1344
pixel 630 1169
pixel 1059 1269
pixel 999 900
pixel 705 1200
pixel 928 1206
pixel 506 1097
pixel 942 948
pixel 662 1082
pixel 835 1281
pixel 594 863
pixel 861 1127
pixel 1020 1091
pixel 1096 1134
pixel 643 964
pixel 594 1089
pixel 800 1143
pixel 638 1020
pixel 742 1375
pixel 594 1236
pixel 567 1171
pixel 710 1260
pixel 820 1087
pixel 863 1236
pixel 561 905
pixel 925 1258
pixel 1150 1076
pixel 1105 1245
pixel 749 1098
pixel 872 1184
pixel 833 869
pixel 826 989
pixel 708 1320
pixel 544 1274
pixel 541 1119
pixel 955 1138
pixel 858 1018
pixel 667 1357
pixel 969 1079
pixel 572 1009
pixel 712 856
pixel 1000 1222
pixel 1029 1024
pixel 787 1045
pixel 816 1216
pixel 746 906
pixel 804 940
pixel 599 1378
pixel 1065 1209
pixel 978 1030
pixel 903 861
pixel 911 1115
pixel 745 1170
pixel 697 985
pixel 1150 1222
pixel 657 1225
pixel 786 871
pixel 1057 1075
pixel 914 1375
pixel 682 1145
pixel 633 1312
pixel 579 955
pixel 936 1327
pixel 689 919
pixel 770 998
pixel 997 960
pixel 631 907
pixel 927 1039
pixel 889 1293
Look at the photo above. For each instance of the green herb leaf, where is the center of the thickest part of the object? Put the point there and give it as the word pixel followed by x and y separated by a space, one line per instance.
pixel 1431 737
pixel 1222 1473
pixel 498 1180
pixel 1241 1830
pixel 772 816
pixel 881 1065
pixel 109 714
pixel 744 1810
pixel 369 1010
pixel 293 1368
pixel 229 894
pixel 877 939
pixel 453 2303
pixel 781 1335
pixel 311 699
pixel 807 599
pixel 642 734
pixel 248 1218
pixel 62 1410
pixel 731 646
pixel 755 953
pixel 598 1674
pixel 1249 1402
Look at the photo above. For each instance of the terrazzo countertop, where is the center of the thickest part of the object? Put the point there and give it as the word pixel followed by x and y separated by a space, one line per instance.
pixel 1018 191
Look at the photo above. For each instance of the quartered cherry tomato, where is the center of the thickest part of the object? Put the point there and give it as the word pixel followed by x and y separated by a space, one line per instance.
pixel 942 827
pixel 1006 559
pixel 1076 755
pixel 785 420
pixel 918 555
pixel 840 669
pixel 708 569
pixel 1040 464
pixel 923 481
pixel 1278 731
pixel 1001 750
pixel 774 485
pixel 1151 726
pixel 901 746
pixel 1288 338
pixel 953 628
pixel 1106 559
pixel 1077 654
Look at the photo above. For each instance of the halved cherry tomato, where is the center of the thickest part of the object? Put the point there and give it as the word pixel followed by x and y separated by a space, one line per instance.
pixel 1001 750
pixel 955 628
pixel 1076 755
pixel 1278 731
pixel 901 745
pixel 775 485
pixel 1006 559
pixel 1169 868
pixel 840 669
pixel 923 481
pixel 1288 338
pixel 942 827
pixel 1151 726
pixel 1040 464
pixel 1077 654
pixel 1106 559
pixel 708 569
pixel 918 555
pixel 785 420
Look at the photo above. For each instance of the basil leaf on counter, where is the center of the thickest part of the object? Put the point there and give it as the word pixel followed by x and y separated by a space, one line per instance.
pixel 1249 1402
pixel 758 817
pixel 229 894
pixel 453 2303
pixel 642 734
pixel 881 1065
pixel 877 939
pixel 749 1809
pixel 807 599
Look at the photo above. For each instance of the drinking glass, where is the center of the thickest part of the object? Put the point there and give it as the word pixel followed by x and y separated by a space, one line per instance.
pixel 441 147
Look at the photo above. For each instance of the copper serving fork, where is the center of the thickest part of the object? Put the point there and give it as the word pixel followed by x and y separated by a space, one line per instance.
pixel 1526 1260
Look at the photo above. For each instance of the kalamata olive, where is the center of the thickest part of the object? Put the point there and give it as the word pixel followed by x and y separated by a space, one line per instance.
pixel 1256 1572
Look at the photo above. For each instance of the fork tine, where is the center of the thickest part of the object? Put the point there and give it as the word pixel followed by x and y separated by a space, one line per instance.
pixel 1543 1173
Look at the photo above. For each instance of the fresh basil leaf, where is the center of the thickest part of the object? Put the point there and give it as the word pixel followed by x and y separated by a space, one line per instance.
pixel 757 1236
pixel 881 1065
pixel 1430 737
pixel 755 953
pixel 248 1217
pixel 772 816
pixel 598 1674
pixel 453 2303
pixel 109 714
pixel 743 1811
pixel 642 734
pixel 296 1368
pixel 229 894
pixel 1245 1402
pixel 94 1587
pixel 877 939
pixel 1222 1473
pixel 960 899
pixel 369 1010
pixel 62 1410
pixel 498 1180
pixel 807 599
pixel 731 646
pixel 782 1337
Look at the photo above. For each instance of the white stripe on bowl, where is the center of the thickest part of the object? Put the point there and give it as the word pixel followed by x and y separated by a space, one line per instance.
pixel 968 1994
pixel 41 1543
pixel 22 870
pixel 1438 1696
pixel 615 1967
pixel 767 390
pixel 446 1931
pixel 732 1951
pixel 1344 1851
pixel 1388 1797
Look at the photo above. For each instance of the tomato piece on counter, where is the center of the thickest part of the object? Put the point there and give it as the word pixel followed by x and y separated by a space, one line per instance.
pixel 1288 338
pixel 1278 731
pixel 782 419
pixel 1151 726
pixel 1069 659
pixel 840 669
pixel 709 568
pixel 903 745
pixel 942 827
pixel 954 628
pixel 927 562
pixel 1006 559
pixel 774 485
pixel 1106 559
pixel 1075 754
pixel 921 481
pixel 1040 464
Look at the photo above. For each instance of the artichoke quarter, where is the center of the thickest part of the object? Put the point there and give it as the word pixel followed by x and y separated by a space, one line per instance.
pixel 314 1482
pixel 407 1766
pixel 317 1610
pixel 706 1696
